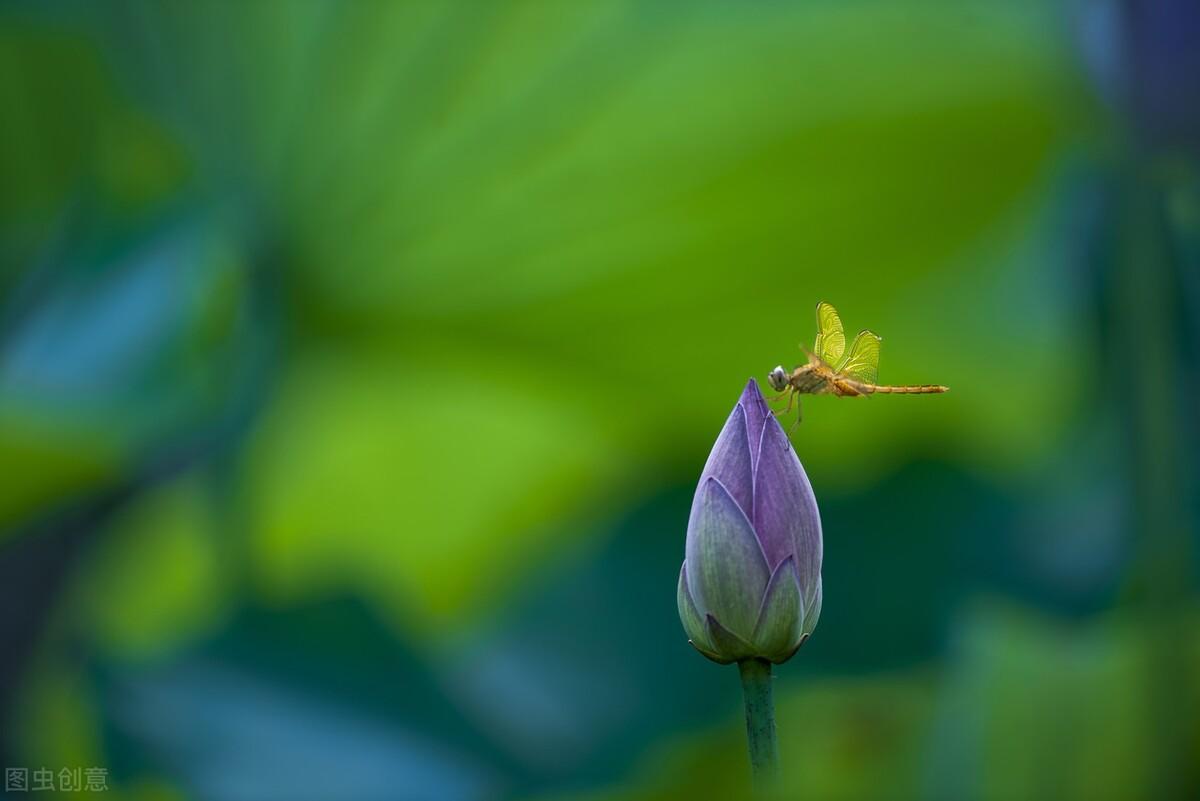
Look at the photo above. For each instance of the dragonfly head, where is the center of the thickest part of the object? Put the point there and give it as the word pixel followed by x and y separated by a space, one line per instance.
pixel 778 379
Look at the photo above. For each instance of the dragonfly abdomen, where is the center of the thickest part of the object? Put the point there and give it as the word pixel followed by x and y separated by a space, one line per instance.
pixel 922 389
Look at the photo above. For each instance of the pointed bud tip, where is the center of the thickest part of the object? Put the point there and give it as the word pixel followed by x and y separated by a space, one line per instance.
pixel 752 393
pixel 757 411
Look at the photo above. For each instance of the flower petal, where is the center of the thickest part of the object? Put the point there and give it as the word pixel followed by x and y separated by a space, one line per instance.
pixel 785 516
pixel 792 652
pixel 729 461
pixel 727 573
pixel 755 407
pixel 730 647
pixel 780 623
pixel 812 610
pixel 713 655
pixel 693 622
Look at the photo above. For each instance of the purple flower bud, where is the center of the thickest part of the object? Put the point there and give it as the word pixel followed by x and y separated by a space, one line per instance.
pixel 750 585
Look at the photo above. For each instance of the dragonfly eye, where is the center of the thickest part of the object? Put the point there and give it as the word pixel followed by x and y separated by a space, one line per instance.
pixel 777 378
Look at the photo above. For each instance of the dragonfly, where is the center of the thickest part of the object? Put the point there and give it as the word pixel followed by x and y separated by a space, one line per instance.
pixel 833 370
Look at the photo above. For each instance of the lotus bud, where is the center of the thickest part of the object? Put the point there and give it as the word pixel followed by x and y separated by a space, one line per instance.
pixel 750 585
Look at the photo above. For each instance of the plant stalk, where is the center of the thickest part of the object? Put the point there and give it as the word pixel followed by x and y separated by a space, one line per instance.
pixel 760 721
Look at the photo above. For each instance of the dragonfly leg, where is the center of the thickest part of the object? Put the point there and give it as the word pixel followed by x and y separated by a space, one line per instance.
pixel 799 417
pixel 793 397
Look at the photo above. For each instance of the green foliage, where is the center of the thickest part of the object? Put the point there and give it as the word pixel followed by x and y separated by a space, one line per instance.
pixel 370 348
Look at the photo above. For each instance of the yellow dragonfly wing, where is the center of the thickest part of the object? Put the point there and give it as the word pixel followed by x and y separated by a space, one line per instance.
pixel 831 340
pixel 862 362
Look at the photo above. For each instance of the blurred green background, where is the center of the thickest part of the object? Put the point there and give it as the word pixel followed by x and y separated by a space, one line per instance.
pixel 358 362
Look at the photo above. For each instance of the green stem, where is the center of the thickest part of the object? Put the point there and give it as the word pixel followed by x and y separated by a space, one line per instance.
pixel 760 721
